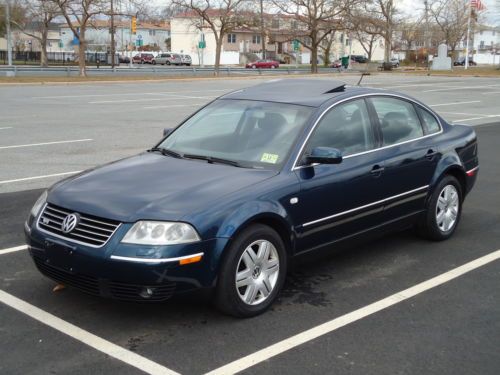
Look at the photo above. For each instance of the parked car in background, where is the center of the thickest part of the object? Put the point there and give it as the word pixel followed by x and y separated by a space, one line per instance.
pixel 394 61
pixel 123 59
pixel 359 59
pixel 186 60
pixel 336 64
pixel 461 62
pixel 263 64
pixel 254 179
pixel 168 58
pixel 143 58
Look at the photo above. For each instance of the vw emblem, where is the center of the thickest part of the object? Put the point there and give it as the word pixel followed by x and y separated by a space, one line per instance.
pixel 69 223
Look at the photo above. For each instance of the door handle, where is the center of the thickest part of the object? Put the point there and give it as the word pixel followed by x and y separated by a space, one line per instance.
pixel 430 154
pixel 377 170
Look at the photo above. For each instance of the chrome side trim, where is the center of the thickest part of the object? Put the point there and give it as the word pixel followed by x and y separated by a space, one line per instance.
pixel 151 260
pixel 472 170
pixel 294 167
pixel 365 206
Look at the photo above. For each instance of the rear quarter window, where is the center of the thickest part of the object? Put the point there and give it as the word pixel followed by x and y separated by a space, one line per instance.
pixel 429 120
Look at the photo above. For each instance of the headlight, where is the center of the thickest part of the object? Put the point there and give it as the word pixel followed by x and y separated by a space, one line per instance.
pixel 160 233
pixel 39 204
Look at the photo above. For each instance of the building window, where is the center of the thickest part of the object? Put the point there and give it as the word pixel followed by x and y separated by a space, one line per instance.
pixel 481 32
pixel 256 39
pixel 152 32
pixel 295 25
pixel 231 38
pixel 275 23
pixel 481 44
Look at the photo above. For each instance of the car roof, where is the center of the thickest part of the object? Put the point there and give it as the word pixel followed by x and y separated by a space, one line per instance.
pixel 307 92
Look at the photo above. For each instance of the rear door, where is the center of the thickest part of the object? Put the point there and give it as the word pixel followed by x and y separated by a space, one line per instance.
pixel 410 155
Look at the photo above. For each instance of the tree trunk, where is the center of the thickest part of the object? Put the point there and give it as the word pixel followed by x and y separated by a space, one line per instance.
pixel 218 49
pixel 314 55
pixel 43 48
pixel 81 53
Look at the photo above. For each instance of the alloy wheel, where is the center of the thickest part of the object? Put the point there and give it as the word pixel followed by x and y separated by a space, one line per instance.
pixel 257 272
pixel 447 208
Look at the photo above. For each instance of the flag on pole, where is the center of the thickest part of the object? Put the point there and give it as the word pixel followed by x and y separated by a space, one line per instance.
pixel 477 4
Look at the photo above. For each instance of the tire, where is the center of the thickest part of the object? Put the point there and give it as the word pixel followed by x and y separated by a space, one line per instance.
pixel 254 67
pixel 273 67
pixel 259 257
pixel 168 62
pixel 444 209
pixel 154 62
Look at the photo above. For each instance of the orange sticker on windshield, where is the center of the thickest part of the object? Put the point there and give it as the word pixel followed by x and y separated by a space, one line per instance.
pixel 269 158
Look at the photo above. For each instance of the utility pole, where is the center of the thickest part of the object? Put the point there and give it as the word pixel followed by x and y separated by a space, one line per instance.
pixel 262 30
pixel 112 35
pixel 9 36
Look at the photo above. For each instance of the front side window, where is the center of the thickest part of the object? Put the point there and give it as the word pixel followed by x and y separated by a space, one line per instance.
pixel 345 127
pixel 429 121
pixel 255 134
pixel 398 120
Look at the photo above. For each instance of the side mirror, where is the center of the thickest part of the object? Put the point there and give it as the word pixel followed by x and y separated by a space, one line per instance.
pixel 167 131
pixel 324 155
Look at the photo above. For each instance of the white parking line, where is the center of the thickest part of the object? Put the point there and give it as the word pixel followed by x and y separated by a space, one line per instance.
pixel 491 92
pixel 38 177
pixel 87 338
pixel 174 105
pixel 456 103
pixel 460 88
pixel 46 143
pixel 476 118
pixel 173 97
pixel 332 325
pixel 126 94
pixel 13 249
pixel 6 127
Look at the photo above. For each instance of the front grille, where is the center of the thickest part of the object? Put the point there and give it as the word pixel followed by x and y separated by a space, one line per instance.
pixel 91 230
pixel 106 288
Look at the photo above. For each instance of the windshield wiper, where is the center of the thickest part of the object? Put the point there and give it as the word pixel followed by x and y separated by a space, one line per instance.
pixel 166 151
pixel 212 159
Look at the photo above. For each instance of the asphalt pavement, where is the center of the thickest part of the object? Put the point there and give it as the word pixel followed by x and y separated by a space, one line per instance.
pixel 452 328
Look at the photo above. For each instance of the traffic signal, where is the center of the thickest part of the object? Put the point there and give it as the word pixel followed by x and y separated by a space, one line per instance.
pixel 134 25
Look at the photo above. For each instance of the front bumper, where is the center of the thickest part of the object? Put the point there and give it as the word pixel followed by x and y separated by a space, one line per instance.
pixel 115 270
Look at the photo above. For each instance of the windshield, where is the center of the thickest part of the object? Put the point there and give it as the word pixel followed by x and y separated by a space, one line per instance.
pixel 254 134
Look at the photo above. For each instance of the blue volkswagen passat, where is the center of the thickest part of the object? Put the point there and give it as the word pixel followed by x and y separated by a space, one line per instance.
pixel 251 180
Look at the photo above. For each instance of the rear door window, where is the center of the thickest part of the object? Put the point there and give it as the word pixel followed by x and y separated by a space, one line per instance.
pixel 398 120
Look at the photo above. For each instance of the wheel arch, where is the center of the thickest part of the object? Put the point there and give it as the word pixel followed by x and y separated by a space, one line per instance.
pixel 451 165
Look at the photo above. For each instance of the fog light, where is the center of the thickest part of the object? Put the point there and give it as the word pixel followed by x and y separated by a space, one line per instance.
pixel 147 292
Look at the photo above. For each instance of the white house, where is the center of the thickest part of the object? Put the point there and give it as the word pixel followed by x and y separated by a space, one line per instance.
pixel 98 36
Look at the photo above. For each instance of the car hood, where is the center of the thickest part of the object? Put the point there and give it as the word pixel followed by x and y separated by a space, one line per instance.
pixel 152 186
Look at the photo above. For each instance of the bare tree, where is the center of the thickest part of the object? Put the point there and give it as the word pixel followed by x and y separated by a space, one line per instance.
pixel 451 17
pixel 326 48
pixel 220 16
pixel 383 18
pixel 317 20
pixel 78 13
pixel 366 29
pixel 39 14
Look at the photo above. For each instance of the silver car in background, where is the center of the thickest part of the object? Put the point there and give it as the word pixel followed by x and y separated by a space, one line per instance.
pixel 168 58
pixel 186 60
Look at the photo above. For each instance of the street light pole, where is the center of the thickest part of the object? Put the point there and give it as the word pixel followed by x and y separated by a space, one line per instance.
pixel 112 36
pixel 262 30
pixel 9 36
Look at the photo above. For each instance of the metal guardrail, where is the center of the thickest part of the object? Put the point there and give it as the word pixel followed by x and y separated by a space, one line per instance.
pixel 149 70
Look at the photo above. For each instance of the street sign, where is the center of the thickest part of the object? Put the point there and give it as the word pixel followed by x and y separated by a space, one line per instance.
pixel 139 42
pixel 202 44
pixel 296 45
pixel 139 36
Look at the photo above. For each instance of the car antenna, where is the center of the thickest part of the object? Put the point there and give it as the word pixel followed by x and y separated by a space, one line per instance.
pixel 361 78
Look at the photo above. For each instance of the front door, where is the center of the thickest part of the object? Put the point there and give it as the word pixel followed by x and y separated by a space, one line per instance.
pixel 339 200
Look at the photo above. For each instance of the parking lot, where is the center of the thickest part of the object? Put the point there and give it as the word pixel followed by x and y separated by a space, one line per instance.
pixel 397 305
